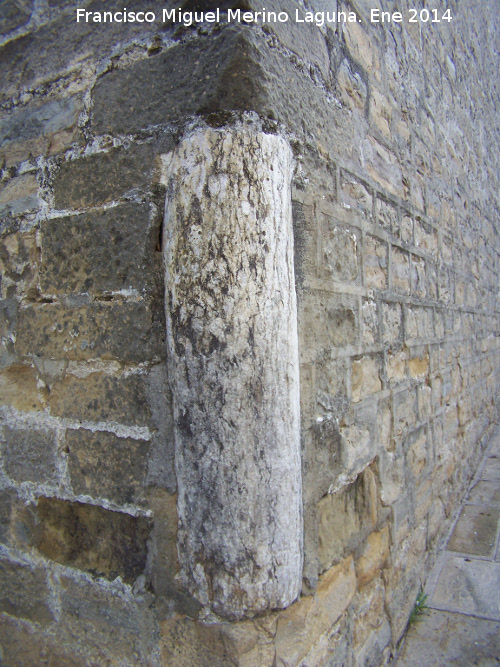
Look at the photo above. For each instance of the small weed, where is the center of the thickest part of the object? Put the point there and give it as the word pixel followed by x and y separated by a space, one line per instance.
pixel 420 608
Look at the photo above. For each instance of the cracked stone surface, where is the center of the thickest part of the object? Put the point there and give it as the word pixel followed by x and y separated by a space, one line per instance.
pixel 233 368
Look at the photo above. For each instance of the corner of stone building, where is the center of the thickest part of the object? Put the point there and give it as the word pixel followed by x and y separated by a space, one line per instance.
pixel 114 250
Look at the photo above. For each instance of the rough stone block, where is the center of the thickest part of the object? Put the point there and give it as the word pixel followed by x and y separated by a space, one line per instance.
pixel 405 411
pixel 104 177
pixel 106 543
pixel 19 196
pixel 38 129
pixel 102 465
pixel 331 387
pixel 18 388
pixel 324 323
pixel 375 263
pixel 100 397
pixel 355 194
pixel 24 592
pixel 370 320
pixel 365 378
pixel 417 456
pixel 352 85
pixel 381 112
pixel 110 330
pixel 18 265
pixel 152 98
pixel 184 643
pixel 386 214
pixel 340 252
pixel 120 625
pixel 29 454
pixel 400 270
pixel 419 366
pixel 360 46
pixel 396 366
pixel 302 624
pixel 426 238
pixel 62 44
pixel 369 612
pixel 392 323
pixel 418 277
pixel 344 517
pixel 98 252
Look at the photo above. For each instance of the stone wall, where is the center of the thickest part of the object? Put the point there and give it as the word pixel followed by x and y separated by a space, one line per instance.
pixel 391 136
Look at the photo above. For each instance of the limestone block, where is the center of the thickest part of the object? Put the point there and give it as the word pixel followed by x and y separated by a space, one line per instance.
pixel 301 626
pixel 19 196
pixel 111 330
pixel 72 533
pixel 39 129
pixel 375 263
pixel 381 111
pixel 419 366
pixel 233 368
pixel 98 252
pixel 101 397
pixel 340 252
pixel 360 46
pixel 327 322
pixel 352 85
pixel 102 465
pixel 18 388
pixel 392 325
pixel 365 378
pixel 370 319
pixel 396 366
pixel 400 270
pixel 18 265
pixel 387 215
pixel 103 177
pixel 355 194
pixel 29 455
pixel 369 612
pixel 24 592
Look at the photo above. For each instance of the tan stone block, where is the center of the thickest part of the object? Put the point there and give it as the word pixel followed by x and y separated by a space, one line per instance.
pixel 18 388
pixel 253 645
pixel 301 626
pixel 400 271
pixel 185 643
pixel 419 366
pixel 373 557
pixel 381 112
pixel 424 395
pixel 359 45
pixel 18 265
pixel 369 612
pixel 365 378
pixel 386 214
pixel 396 366
pixel 375 263
pixel 391 316
pixel 392 479
pixel 370 322
pixel 352 86
pixel 407 229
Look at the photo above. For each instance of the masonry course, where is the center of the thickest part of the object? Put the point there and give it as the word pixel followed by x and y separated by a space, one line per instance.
pixel 393 196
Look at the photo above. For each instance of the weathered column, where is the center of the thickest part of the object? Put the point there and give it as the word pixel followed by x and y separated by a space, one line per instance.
pixel 233 365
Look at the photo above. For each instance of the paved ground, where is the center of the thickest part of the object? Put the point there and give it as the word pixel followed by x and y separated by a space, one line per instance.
pixel 463 627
